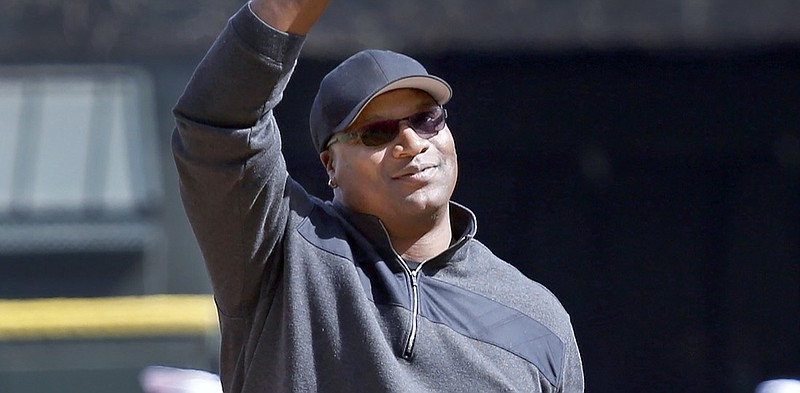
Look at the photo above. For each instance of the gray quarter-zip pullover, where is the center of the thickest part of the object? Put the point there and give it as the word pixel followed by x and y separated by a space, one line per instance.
pixel 312 297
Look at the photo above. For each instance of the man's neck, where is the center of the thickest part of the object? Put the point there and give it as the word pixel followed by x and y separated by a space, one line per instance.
pixel 420 240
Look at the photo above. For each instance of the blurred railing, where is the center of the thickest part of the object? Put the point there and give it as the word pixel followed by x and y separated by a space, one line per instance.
pixel 98 345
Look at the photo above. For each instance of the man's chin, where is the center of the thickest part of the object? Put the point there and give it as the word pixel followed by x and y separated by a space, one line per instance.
pixel 422 203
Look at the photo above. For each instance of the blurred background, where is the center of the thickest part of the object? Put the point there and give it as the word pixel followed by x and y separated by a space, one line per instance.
pixel 640 159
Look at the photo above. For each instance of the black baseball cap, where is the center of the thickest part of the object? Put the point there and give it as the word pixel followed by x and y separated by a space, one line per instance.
pixel 346 90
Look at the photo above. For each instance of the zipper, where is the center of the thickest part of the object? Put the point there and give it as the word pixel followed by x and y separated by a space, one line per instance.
pixel 413 275
pixel 408 351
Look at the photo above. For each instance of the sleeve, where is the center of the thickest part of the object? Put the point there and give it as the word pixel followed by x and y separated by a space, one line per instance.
pixel 572 380
pixel 227 149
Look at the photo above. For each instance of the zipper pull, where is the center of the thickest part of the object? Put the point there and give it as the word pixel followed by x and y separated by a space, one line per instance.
pixel 413 276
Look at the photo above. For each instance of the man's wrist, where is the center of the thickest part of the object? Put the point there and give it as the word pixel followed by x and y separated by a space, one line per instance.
pixel 294 17
pixel 265 39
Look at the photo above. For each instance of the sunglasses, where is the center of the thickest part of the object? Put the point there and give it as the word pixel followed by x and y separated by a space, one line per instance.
pixel 426 124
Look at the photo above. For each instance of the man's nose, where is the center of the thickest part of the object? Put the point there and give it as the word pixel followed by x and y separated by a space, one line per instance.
pixel 408 142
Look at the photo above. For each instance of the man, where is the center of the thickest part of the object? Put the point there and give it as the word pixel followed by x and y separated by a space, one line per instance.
pixel 383 289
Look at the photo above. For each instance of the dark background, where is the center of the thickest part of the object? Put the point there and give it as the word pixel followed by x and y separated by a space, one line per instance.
pixel 655 193
pixel 640 160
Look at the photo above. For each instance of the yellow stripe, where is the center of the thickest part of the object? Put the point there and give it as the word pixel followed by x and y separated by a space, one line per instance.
pixel 107 317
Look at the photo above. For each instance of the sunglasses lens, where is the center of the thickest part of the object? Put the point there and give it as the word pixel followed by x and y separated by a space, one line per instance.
pixel 380 133
pixel 425 124
pixel 428 123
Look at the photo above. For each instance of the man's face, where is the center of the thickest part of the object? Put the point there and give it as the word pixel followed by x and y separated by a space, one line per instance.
pixel 408 177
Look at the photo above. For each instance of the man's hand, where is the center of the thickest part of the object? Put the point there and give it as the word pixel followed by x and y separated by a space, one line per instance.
pixel 291 16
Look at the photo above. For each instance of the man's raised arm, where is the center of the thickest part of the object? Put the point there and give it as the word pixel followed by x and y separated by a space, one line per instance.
pixel 227 144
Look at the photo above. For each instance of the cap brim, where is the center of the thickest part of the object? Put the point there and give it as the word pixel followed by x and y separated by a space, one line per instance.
pixel 435 86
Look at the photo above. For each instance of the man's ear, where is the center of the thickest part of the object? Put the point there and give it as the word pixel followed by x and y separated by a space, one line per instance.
pixel 327 161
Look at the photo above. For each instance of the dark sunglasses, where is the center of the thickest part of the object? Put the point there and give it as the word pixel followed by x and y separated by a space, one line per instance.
pixel 426 124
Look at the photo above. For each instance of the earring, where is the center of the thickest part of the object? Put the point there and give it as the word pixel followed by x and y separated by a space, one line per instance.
pixel 331 184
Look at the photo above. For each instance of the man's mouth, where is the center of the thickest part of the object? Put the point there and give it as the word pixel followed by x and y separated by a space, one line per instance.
pixel 422 172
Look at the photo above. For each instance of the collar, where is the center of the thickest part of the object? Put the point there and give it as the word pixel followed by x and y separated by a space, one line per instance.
pixel 463 225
